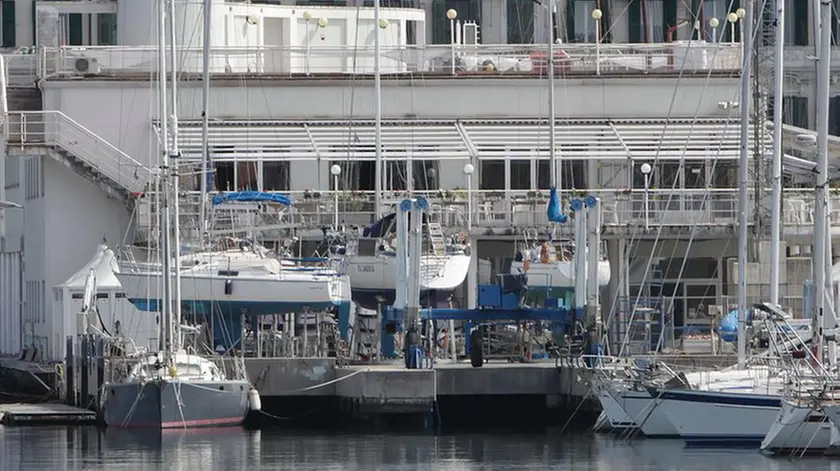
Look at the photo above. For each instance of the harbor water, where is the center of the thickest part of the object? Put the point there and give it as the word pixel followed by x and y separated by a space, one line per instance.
pixel 61 448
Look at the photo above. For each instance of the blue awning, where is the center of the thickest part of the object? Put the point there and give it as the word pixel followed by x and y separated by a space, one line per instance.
pixel 252 196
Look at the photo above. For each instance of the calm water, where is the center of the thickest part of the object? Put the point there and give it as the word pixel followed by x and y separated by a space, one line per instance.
pixel 237 449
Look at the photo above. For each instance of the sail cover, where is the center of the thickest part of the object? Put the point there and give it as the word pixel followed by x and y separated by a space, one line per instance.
pixel 553 209
pixel 252 197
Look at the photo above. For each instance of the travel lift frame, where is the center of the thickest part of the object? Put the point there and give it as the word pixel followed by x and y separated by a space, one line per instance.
pixel 493 303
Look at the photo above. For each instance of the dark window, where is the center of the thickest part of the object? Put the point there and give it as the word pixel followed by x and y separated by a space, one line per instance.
pixel 74 30
pixel 520 21
pixel 8 17
pixel 572 175
pixel 394 4
pixel 426 175
pixel 520 174
pixel 106 25
pixel 246 176
pixel 794 110
pixel 275 176
pixel 358 175
pixel 492 175
pixel 468 10
pixel 322 3
pixel 224 176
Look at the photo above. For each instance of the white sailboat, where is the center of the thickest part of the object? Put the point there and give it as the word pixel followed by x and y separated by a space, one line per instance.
pixel 807 420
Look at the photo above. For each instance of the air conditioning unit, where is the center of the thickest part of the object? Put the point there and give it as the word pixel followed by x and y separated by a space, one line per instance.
pixel 86 66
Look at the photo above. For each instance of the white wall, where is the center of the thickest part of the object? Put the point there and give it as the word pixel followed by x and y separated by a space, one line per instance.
pixel 62 231
pixel 121 112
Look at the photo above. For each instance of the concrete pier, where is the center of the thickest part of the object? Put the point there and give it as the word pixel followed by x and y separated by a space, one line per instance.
pixel 290 386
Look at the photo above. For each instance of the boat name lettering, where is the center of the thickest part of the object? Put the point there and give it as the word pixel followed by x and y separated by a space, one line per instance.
pixel 365 268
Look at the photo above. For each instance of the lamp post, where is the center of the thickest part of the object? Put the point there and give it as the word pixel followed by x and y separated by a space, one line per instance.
pixel 472 275
pixel 732 18
pixel 596 15
pixel 714 23
pixel 335 170
pixel 468 171
pixel 740 13
pixel 646 169
pixel 452 14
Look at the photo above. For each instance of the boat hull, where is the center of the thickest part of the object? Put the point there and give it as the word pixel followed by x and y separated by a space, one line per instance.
pixel 719 419
pixel 254 296
pixel 373 277
pixel 557 274
pixel 798 428
pixel 166 404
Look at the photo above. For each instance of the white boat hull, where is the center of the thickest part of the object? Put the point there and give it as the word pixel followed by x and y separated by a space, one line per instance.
pixel 557 274
pixel 797 429
pixel 716 418
pixel 257 295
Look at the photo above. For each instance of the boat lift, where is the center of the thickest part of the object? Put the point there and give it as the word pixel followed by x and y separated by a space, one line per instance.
pixel 504 302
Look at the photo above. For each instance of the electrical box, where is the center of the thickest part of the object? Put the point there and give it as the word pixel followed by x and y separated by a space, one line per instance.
pixel 490 296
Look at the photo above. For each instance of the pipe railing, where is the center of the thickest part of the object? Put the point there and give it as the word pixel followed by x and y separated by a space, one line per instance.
pixel 481 59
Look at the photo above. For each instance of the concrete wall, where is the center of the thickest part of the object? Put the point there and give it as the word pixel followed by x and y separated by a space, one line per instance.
pixel 121 112
pixel 292 376
pixel 61 227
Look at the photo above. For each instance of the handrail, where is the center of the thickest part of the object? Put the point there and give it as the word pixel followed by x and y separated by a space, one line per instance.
pixel 525 59
pixel 54 128
pixel 527 208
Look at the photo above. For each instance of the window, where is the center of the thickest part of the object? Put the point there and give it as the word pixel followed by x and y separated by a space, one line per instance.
pixel 834 116
pixel 520 174
pixel 425 175
pixel 468 10
pixel 224 176
pixel 246 176
pixel 492 175
pixel 715 9
pixel 7 22
pixel 520 21
pixel 653 21
pixel 322 3
pixel 358 175
pixel 275 176
pixel 584 31
pixel 106 29
pixel 794 111
pixel 572 174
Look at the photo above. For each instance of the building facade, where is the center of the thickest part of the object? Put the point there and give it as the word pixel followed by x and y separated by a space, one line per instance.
pixel 292 95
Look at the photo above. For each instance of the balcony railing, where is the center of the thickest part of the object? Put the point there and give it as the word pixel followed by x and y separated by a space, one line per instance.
pixel 522 209
pixel 472 60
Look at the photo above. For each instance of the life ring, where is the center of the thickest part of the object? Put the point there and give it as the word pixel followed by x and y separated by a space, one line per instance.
pixel 462 237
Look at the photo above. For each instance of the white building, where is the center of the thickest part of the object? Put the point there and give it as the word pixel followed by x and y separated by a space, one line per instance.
pixel 292 95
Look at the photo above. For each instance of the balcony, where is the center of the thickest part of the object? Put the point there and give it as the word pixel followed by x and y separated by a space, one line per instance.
pixel 435 60
pixel 699 212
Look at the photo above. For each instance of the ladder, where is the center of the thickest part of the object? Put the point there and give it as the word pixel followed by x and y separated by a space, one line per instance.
pixel 437 238
pixel 365 342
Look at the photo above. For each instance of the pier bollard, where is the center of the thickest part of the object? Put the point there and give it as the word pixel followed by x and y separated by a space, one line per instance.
pixel 69 371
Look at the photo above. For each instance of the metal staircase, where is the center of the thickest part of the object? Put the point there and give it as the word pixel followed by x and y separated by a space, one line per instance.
pixel 70 143
pixel 437 239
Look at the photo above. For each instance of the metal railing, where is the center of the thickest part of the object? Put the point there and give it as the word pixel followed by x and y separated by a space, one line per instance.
pixel 482 59
pixel 520 209
pixel 21 69
pixel 55 129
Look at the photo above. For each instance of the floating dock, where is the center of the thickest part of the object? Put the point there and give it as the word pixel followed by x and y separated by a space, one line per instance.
pixel 45 414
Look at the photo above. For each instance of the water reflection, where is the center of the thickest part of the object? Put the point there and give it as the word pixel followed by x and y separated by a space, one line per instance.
pixel 24 448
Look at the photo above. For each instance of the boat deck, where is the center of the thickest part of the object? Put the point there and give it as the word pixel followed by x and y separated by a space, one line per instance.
pixel 45 414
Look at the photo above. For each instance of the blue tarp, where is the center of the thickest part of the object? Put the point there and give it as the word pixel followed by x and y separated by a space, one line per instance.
pixel 553 209
pixel 252 196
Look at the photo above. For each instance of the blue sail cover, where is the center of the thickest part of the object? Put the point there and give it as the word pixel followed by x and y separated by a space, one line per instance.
pixel 553 208
pixel 251 197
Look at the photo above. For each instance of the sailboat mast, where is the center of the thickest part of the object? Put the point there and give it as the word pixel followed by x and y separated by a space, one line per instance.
pixel 205 121
pixel 552 118
pixel 377 98
pixel 821 193
pixel 743 173
pixel 174 157
pixel 776 183
pixel 163 185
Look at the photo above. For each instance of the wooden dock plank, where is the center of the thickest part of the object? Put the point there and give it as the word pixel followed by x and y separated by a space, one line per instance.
pixel 43 414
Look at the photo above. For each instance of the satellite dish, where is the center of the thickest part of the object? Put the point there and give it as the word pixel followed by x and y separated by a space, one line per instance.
pixel 90 291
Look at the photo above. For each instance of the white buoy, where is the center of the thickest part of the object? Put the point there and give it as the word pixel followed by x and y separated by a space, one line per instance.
pixel 254 401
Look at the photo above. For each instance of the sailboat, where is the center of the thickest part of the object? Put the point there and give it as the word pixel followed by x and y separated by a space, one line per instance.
pixel 808 417
pixel 371 265
pixel 173 388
